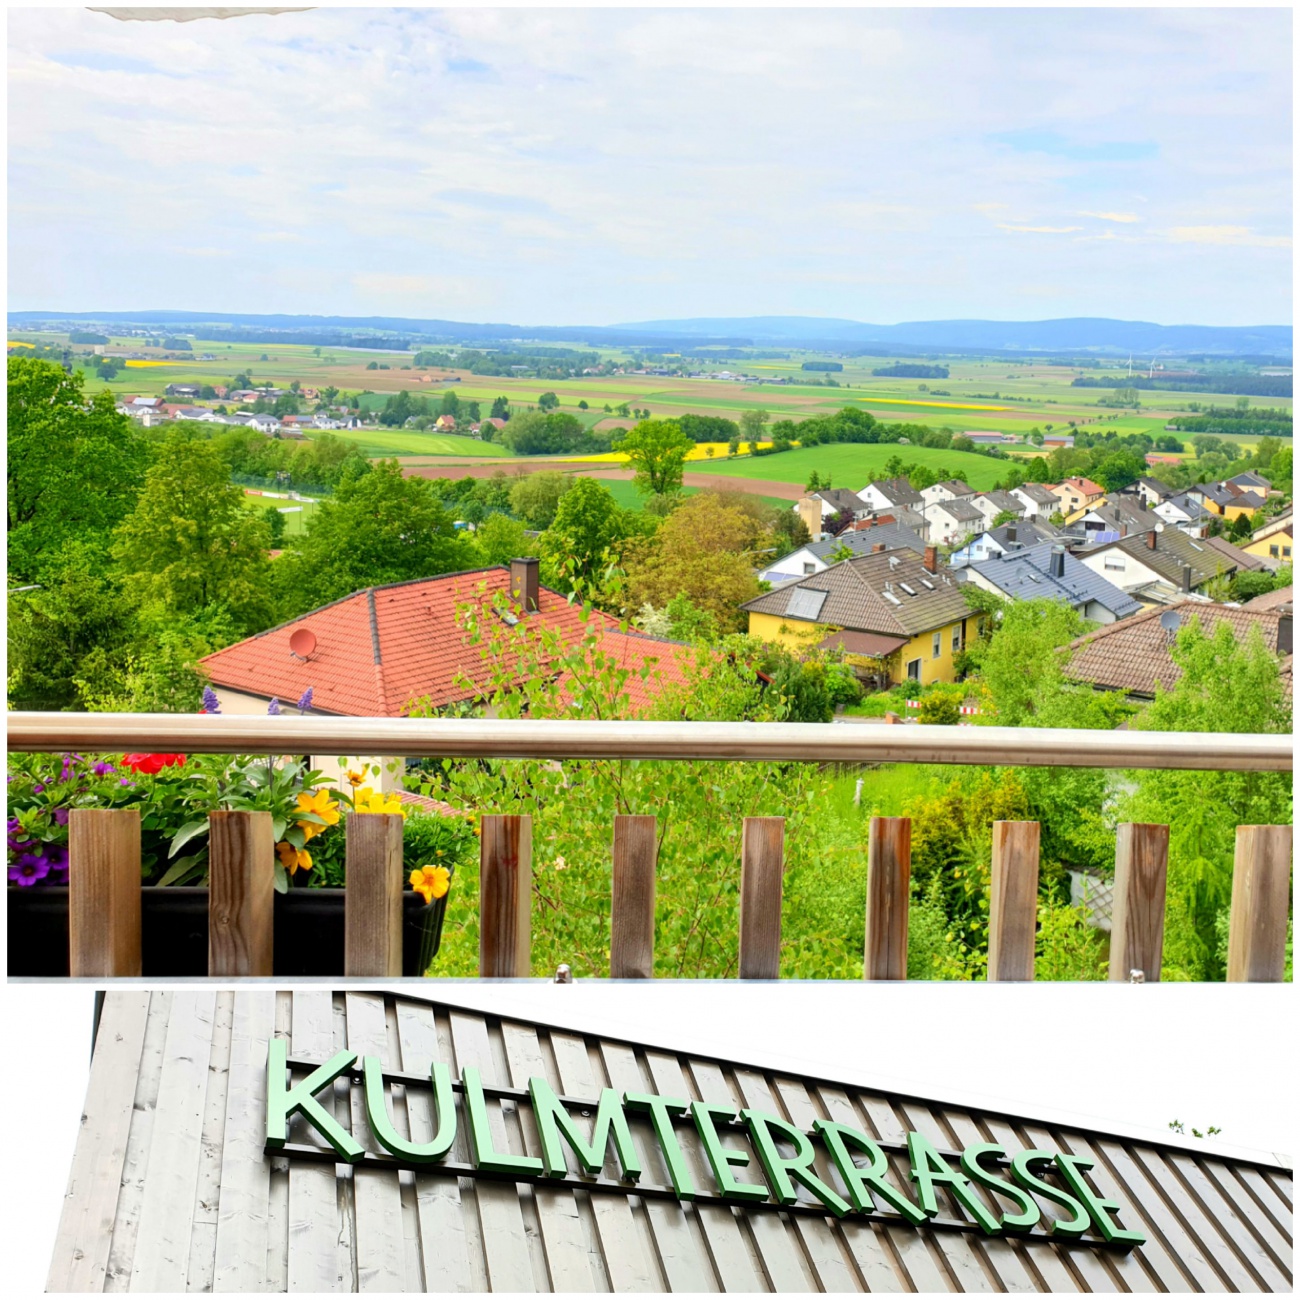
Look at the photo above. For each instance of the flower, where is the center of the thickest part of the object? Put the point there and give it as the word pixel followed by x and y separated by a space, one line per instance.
pixel 151 764
pixel 292 858
pixel 355 778
pixel 60 816
pixel 274 707
pixel 28 868
pixel 367 800
pixel 319 803
pixel 432 882
pixel 210 702
pixel 304 704
pixel 103 769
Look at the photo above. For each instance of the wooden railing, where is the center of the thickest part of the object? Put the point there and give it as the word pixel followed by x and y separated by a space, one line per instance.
pixel 104 846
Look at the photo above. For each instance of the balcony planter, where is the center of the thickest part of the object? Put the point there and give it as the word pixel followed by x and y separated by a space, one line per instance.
pixel 174 926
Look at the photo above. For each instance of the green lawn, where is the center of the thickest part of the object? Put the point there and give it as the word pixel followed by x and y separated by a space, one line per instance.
pixel 854 465
pixel 295 522
pixel 411 442
pixel 624 491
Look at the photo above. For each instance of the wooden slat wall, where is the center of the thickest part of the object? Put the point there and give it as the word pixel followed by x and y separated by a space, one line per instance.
pixel 170 1189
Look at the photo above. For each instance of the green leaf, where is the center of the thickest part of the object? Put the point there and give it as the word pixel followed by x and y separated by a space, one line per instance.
pixel 181 868
pixel 281 879
pixel 185 834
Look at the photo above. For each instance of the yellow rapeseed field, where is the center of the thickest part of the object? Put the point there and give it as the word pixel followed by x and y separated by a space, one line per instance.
pixel 141 364
pixel 701 451
pixel 18 343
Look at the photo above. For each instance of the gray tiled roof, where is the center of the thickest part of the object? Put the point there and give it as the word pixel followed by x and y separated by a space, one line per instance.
pixel 958 487
pixel 1173 549
pixel 1004 501
pixel 1127 514
pixel 1028 532
pixel 840 498
pixel 1025 575
pixel 898 490
pixel 1038 494
pixel 960 510
pixel 862 540
pixel 871 594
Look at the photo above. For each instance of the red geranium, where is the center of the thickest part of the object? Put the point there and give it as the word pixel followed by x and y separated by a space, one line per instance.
pixel 151 764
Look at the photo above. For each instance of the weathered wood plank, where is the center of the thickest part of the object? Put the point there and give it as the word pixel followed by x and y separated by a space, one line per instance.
pixel 380 1249
pixel 207 1191
pixel 372 942
pixel 505 897
pixel 162 1253
pixel 1137 926
pixel 314 1227
pixel 632 905
pixel 762 866
pixel 889 875
pixel 443 1241
pixel 277 1209
pixel 104 892
pixel 1261 893
pixel 85 1232
pixel 241 900
pixel 1013 901
pixel 242 1217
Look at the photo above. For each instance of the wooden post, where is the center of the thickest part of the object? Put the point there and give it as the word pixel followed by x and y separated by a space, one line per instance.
pixel 1137 922
pixel 1013 901
pixel 889 879
pixel 1261 891
pixel 762 860
pixel 632 915
pixel 505 897
pixel 104 892
pixel 372 916
pixel 241 893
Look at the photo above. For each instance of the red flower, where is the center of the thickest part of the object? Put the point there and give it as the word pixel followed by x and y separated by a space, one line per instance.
pixel 151 764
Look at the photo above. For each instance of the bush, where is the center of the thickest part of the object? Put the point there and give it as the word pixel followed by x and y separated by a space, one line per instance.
pixel 941 708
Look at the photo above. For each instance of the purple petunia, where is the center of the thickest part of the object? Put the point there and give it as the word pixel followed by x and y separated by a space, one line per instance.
pixel 103 769
pixel 274 707
pixel 304 704
pixel 29 868
pixel 210 702
pixel 60 816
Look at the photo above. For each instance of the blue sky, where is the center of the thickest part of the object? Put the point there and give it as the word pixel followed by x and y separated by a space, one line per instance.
pixel 601 165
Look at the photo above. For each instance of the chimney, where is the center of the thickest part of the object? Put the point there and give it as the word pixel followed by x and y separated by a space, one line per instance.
pixel 1011 532
pixel 810 511
pixel 1187 575
pixel 1151 540
pixel 523 583
pixel 877 548
pixel 1284 634
pixel 931 560
pixel 1056 563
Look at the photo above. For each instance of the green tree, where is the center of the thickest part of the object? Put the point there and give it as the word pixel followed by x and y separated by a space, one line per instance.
pixel 379 527
pixel 581 546
pixel 548 402
pixel 75 466
pixel 190 543
pixel 501 408
pixel 656 451
pixel 536 497
pixel 501 539
pixel 752 424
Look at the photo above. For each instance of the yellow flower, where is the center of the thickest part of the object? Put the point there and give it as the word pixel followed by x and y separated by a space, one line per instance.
pixel 355 778
pixel 367 800
pixel 319 803
pixel 432 882
pixel 293 858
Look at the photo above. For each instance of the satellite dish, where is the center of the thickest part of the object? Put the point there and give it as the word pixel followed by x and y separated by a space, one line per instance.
pixel 302 643
pixel 1170 620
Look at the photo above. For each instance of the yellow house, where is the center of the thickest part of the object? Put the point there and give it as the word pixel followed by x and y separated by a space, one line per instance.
pixel 1272 543
pixel 896 616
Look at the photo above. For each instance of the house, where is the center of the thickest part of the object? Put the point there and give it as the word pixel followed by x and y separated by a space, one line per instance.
pixel 182 390
pixel 1242 561
pixel 376 652
pixel 1272 543
pixel 1226 502
pixel 1038 499
pixel 898 515
pixel 995 503
pixel 202 413
pixel 1152 492
pixel 1281 599
pixel 817 508
pixel 1054 440
pixel 982 439
pixel 1075 493
pixel 1048 571
pixel 1134 656
pixel 1158 568
pixel 1250 482
pixel 263 423
pixel 998 541
pixel 1116 515
pixel 895 615
pixel 816 556
pixel 890 493
pixel 445 423
pixel 495 421
pixel 1186 513
pixel 953 521
pixel 949 490
pixel 322 421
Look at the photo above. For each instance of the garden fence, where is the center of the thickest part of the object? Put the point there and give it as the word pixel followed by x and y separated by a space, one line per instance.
pixel 104 845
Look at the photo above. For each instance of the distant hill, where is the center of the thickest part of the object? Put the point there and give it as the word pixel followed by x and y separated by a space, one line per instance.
pixel 1083 334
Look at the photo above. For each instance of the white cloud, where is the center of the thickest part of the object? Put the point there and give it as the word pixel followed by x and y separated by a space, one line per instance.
pixel 1040 230
pixel 1124 217
pixel 1242 235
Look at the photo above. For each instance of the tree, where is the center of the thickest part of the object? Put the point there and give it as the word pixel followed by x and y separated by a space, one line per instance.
pixel 190 543
pixel 582 404
pixel 501 539
pixel 548 402
pixel 379 527
pixel 536 497
pixel 582 544
pixel 1119 469
pixel 74 466
pixel 656 450
pixel 752 424
pixel 536 433
pixel 1240 528
pixel 501 408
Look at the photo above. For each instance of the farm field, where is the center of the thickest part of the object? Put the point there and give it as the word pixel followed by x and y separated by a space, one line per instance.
pixel 412 442
pixel 854 465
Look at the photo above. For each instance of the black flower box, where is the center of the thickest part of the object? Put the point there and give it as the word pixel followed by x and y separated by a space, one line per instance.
pixel 174 924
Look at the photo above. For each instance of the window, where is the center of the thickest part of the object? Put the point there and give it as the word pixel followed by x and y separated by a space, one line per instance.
pixel 1272 550
pixel 936 645
pixel 914 670
pixel 1286 552
pixel 956 637
pixel 809 567
pixel 1115 562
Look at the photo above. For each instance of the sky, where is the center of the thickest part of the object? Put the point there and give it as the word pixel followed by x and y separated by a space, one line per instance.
pixel 595 166
pixel 1114 1054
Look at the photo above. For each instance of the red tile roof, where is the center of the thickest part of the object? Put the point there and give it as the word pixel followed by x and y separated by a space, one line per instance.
pixel 380 649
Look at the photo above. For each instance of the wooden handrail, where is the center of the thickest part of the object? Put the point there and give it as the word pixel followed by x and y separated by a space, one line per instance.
pixel 760 741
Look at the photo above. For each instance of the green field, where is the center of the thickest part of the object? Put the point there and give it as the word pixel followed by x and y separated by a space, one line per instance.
pixel 411 442
pixel 295 522
pixel 853 465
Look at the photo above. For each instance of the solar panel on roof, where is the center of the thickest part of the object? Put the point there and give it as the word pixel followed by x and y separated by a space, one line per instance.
pixel 806 602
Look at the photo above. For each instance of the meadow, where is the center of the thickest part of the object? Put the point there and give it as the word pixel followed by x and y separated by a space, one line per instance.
pixel 853 465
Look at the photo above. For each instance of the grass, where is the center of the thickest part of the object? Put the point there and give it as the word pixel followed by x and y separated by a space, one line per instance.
pixel 295 523
pixel 853 465
pixel 411 442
